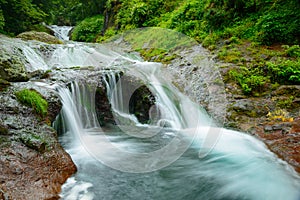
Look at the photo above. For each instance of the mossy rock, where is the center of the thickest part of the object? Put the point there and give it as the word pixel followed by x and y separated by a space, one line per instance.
pixel 287 90
pixel 39 36
pixel 4 84
pixel 33 141
pixel 11 67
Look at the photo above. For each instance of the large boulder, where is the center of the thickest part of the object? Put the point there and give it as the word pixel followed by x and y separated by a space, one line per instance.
pixel 11 66
pixel 39 36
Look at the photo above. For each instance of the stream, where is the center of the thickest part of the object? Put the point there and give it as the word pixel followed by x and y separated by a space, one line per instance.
pixel 180 154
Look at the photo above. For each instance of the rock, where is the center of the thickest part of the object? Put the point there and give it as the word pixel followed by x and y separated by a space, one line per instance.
pixel 11 67
pixel 3 85
pixel 33 141
pixel 287 90
pixel 3 129
pixel 268 128
pixel 39 36
pixel 33 165
pixel 251 108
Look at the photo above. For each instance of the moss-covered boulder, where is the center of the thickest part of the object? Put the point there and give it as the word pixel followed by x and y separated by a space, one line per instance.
pixel 39 36
pixel 11 67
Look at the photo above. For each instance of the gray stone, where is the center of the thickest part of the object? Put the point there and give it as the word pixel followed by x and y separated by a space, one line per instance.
pixel 268 128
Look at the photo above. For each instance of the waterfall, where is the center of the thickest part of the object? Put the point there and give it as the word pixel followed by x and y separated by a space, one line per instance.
pixel 179 154
pixel 40 56
pixel 166 158
pixel 61 32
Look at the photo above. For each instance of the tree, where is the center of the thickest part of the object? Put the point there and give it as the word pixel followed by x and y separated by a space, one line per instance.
pixel 20 15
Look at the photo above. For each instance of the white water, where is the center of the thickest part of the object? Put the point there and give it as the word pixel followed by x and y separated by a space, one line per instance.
pixel 238 167
pixel 61 32
pixel 136 161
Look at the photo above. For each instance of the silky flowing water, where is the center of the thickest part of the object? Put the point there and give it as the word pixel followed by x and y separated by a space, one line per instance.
pixel 168 158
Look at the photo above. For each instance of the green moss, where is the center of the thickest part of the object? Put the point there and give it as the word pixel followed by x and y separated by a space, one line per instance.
pixel 157 55
pixel 34 100
pixel 4 141
pixel 232 55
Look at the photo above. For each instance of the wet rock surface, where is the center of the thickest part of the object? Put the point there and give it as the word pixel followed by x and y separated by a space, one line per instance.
pixel 39 36
pixel 33 165
pixel 12 67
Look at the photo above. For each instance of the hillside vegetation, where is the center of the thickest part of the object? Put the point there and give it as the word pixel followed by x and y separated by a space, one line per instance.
pixel 260 37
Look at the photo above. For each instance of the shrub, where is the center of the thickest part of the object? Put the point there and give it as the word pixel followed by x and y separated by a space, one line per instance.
pixel 88 29
pixel 249 80
pixel 34 100
pixel 293 51
pixel 284 71
pixel 280 24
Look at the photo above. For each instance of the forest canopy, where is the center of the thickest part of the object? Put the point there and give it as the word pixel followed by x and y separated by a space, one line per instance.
pixel 17 16
pixel 265 21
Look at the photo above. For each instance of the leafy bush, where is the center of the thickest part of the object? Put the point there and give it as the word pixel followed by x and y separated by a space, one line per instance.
pixel 19 16
pixel 88 29
pixel 284 71
pixel 280 24
pixel 34 100
pixel 108 34
pixel 249 80
pixel 142 13
pixel 293 51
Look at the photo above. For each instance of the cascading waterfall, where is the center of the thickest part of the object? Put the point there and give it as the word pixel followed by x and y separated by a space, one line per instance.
pixel 61 32
pixel 238 167
pixel 159 160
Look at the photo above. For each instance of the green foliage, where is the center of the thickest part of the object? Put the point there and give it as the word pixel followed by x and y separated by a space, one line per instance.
pixel 292 51
pixel 69 12
pixel 2 21
pixel 256 78
pixel 108 34
pixel 20 15
pixel 208 21
pixel 88 29
pixel 280 24
pixel 141 13
pixel 249 81
pixel 34 100
pixel 284 71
